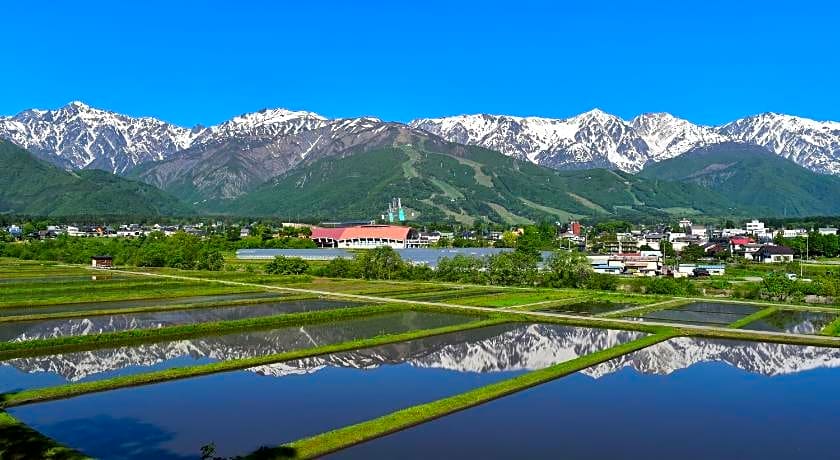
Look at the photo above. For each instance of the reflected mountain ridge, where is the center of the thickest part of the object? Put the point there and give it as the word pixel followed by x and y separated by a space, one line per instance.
pixel 503 348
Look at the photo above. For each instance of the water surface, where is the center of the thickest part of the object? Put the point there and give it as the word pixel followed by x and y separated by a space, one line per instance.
pixel 686 399
pixel 586 308
pixel 703 313
pixel 797 322
pixel 268 405
pixel 40 329
pixel 50 370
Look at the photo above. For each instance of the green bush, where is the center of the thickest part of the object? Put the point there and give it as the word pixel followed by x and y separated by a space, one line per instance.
pixel 282 265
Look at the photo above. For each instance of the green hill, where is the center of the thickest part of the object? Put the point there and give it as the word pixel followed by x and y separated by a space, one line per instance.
pixel 32 186
pixel 463 184
pixel 755 178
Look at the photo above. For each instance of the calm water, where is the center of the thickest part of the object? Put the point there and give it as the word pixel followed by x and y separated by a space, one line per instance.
pixel 239 411
pixel 51 370
pixel 586 308
pixel 420 256
pixel 799 322
pixel 686 399
pixel 117 304
pixel 703 313
pixel 29 330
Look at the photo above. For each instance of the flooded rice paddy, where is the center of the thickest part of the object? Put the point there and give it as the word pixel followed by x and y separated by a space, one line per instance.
pixel 56 369
pixel 41 329
pixel 586 308
pixel 686 398
pixel 267 405
pixel 703 313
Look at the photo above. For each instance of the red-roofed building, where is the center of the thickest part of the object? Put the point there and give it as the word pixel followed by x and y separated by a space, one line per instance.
pixel 367 236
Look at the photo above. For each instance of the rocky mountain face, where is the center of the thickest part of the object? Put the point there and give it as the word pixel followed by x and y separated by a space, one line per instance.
pixel 597 139
pixel 812 144
pixel 226 160
pixel 78 136
pixel 504 348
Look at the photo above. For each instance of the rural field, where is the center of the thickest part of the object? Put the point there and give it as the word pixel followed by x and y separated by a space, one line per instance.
pixel 165 363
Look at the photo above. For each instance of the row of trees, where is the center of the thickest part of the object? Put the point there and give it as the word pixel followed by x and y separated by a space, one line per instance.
pixel 815 245
pixel 516 268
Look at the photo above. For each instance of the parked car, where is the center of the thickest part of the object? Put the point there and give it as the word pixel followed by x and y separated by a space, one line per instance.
pixel 700 273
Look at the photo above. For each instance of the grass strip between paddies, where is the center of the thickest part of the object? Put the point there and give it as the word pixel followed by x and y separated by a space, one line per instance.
pixel 753 317
pixel 341 438
pixel 832 329
pixel 18 441
pixel 154 308
pixel 39 347
pixel 75 389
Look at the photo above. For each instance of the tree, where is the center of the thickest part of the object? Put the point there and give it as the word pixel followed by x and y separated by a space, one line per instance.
pixel 508 240
pixel 692 253
pixel 512 269
pixel 567 269
pixel 667 248
pixel 210 259
pixel 461 269
pixel 380 263
pixel 282 265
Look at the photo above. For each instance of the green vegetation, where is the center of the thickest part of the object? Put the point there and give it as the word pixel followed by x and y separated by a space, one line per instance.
pixel 753 317
pixel 18 441
pixel 754 178
pixel 488 183
pixel 347 436
pixel 287 266
pixel 75 389
pixel 35 187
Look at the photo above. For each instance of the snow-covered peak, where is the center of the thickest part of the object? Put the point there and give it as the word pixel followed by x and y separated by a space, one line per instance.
pixel 266 123
pixel 810 143
pixel 591 139
pixel 79 136
pixel 668 136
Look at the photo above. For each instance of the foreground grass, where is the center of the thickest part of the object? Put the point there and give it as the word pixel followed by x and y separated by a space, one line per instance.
pixel 75 389
pixel 9 350
pixel 347 436
pixel 159 290
pixel 18 441
pixel 753 317
pixel 35 316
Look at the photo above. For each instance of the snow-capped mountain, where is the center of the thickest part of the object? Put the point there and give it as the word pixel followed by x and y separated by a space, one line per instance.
pixel 227 159
pixel 503 348
pixel 590 140
pixel 597 139
pixel 668 136
pixel 78 136
pixel 812 144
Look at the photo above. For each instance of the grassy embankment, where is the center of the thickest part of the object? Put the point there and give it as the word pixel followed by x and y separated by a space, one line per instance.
pixel 753 317
pixel 354 434
pixel 150 289
pixel 18 441
pixel 75 389
pixel 154 308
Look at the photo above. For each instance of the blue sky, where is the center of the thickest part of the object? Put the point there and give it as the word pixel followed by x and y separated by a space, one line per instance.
pixel 203 62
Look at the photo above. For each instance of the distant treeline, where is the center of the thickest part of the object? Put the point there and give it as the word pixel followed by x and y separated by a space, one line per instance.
pixel 181 250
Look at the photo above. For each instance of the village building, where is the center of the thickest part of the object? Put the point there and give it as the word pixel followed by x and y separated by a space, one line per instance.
pixel 827 231
pixel 367 237
pixel 770 254
pixel 103 262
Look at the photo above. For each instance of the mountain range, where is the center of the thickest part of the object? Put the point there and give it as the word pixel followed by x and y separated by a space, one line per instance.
pixel 272 161
pixel 502 348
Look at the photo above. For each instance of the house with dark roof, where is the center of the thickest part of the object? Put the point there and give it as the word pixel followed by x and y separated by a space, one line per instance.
pixel 772 254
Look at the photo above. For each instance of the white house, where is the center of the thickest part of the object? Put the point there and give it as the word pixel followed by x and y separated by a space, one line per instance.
pixel 827 231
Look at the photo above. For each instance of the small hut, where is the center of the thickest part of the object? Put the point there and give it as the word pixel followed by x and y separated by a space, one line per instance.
pixel 104 262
